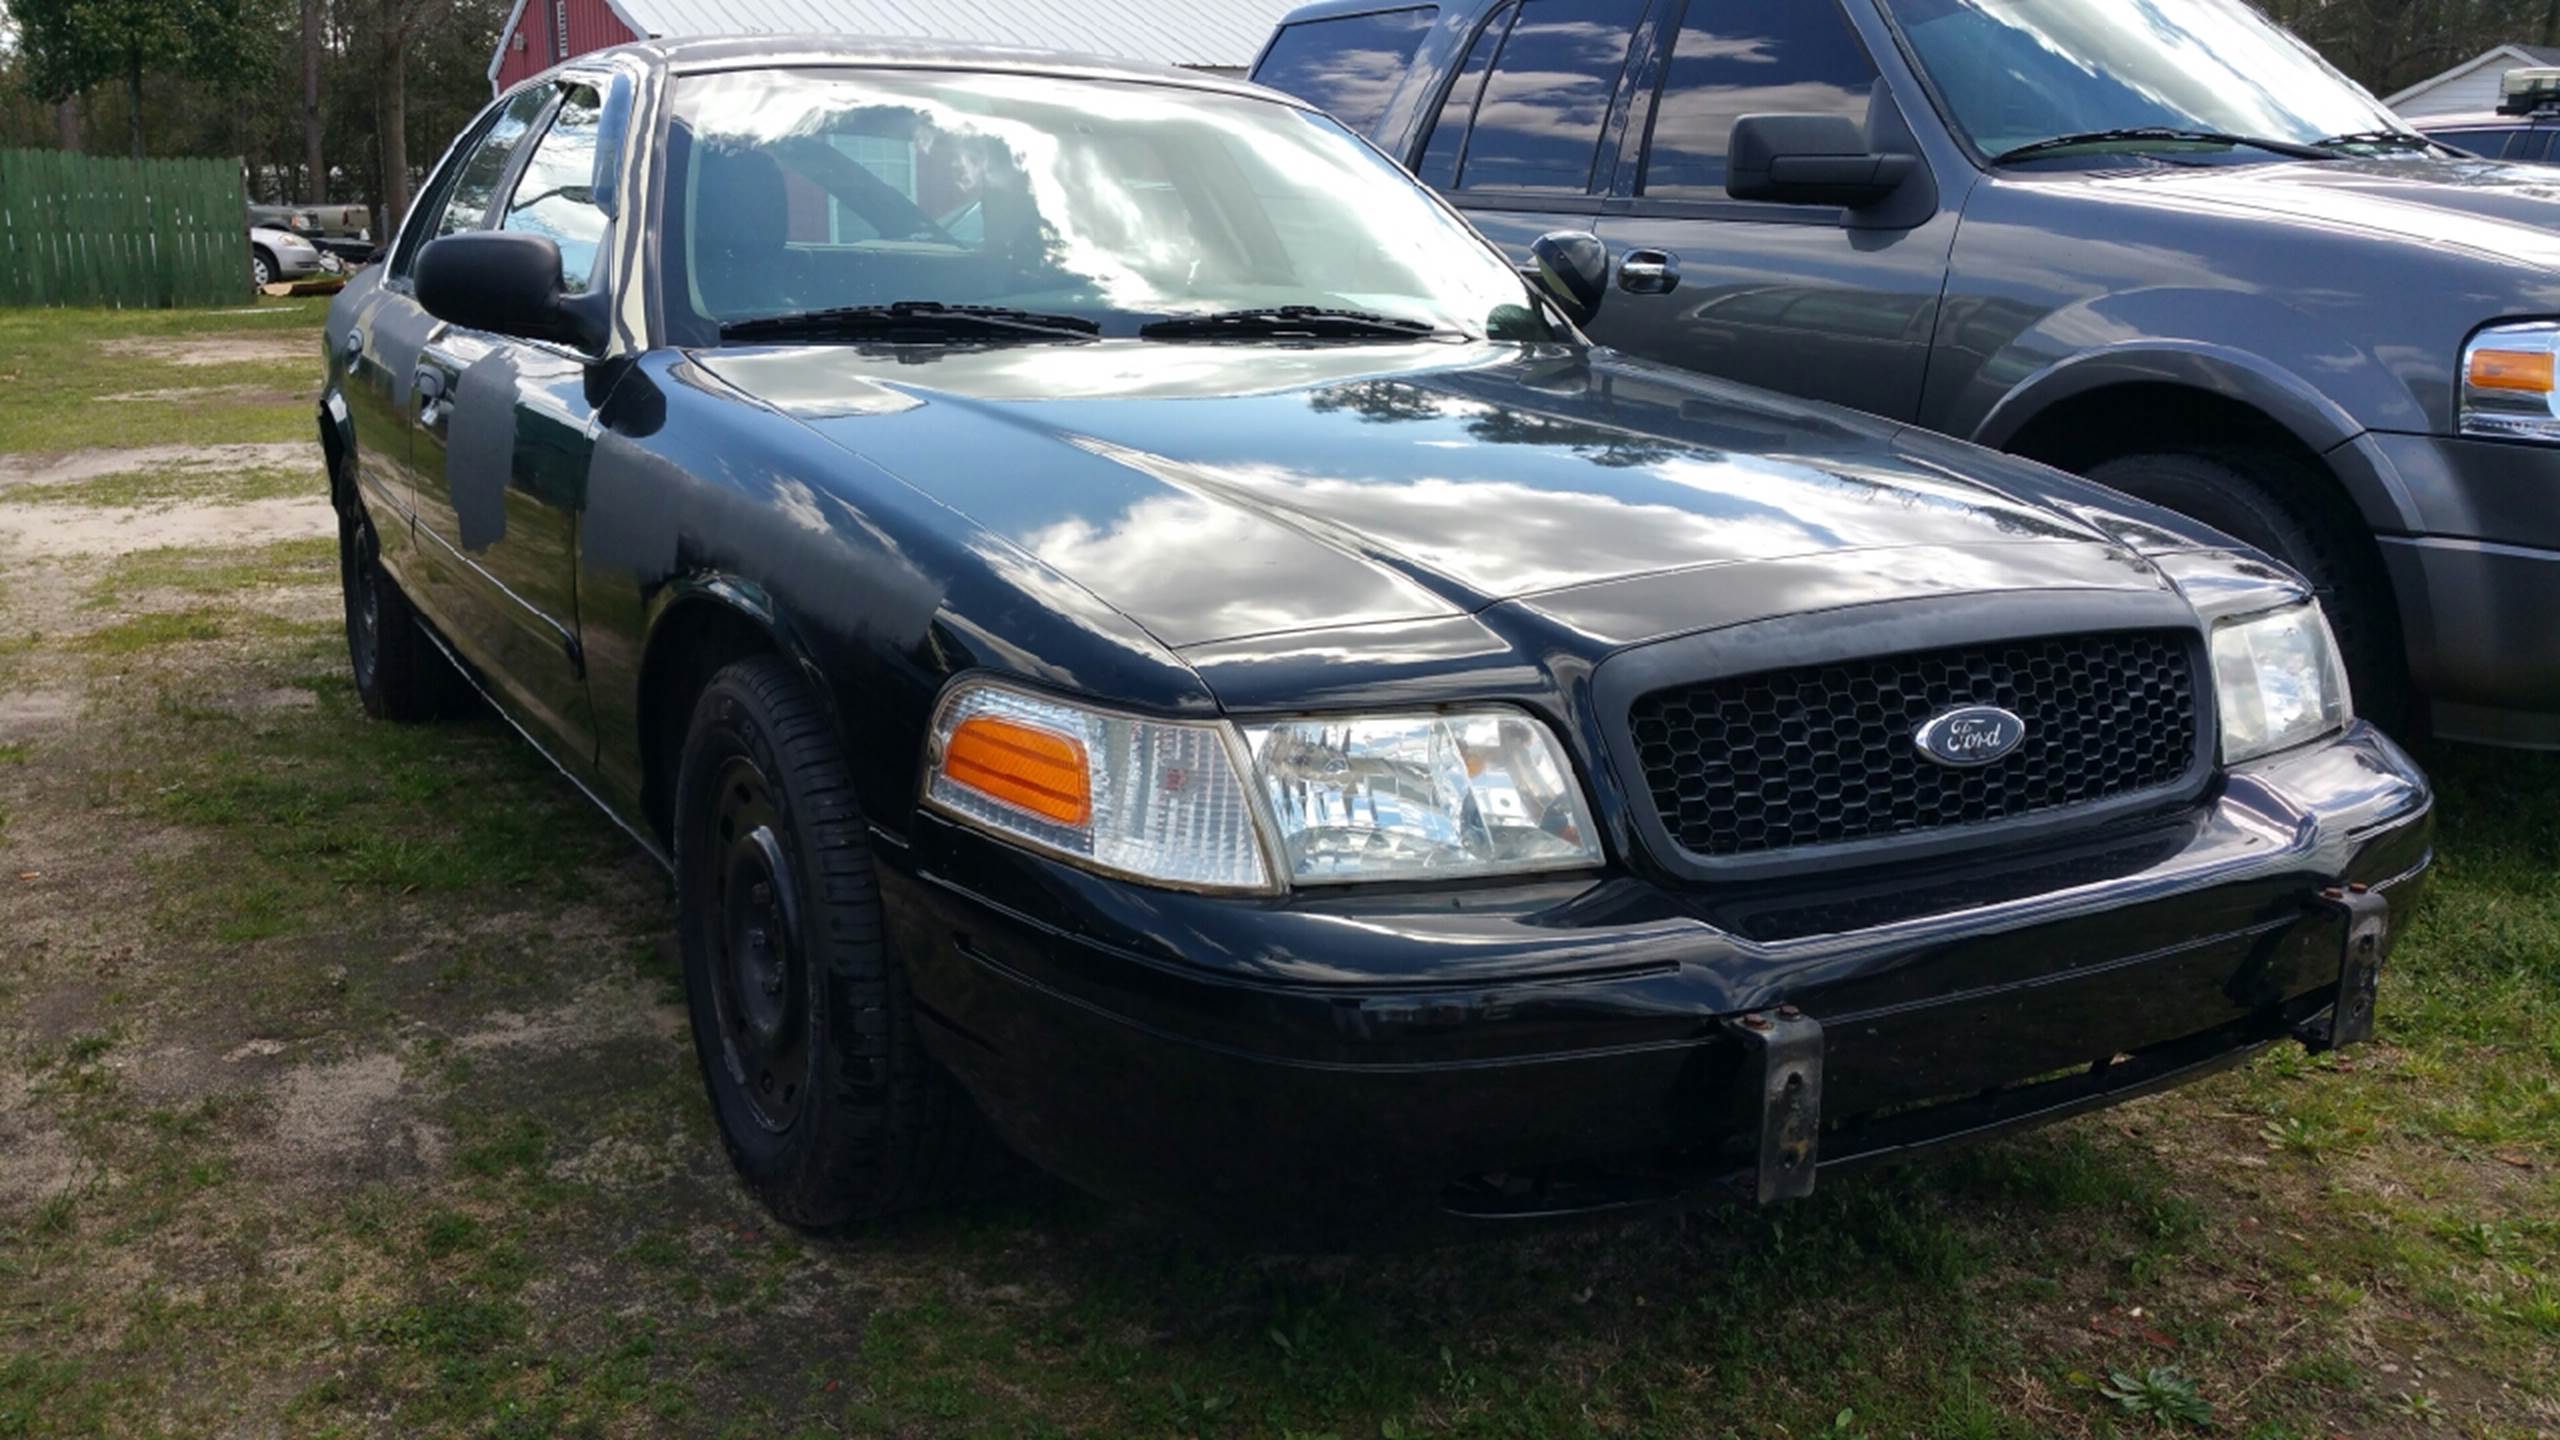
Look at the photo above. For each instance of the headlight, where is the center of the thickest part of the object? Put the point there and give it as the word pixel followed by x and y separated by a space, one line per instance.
pixel 2279 682
pixel 1344 799
pixel 1420 797
pixel 2509 388
pixel 1152 799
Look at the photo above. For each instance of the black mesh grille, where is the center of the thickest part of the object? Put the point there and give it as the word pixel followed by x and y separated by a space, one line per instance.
pixel 1824 754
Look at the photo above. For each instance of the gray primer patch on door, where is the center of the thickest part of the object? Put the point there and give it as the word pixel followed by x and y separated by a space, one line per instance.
pixel 480 449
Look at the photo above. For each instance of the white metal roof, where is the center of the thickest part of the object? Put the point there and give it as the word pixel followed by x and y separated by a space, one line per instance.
pixel 1223 33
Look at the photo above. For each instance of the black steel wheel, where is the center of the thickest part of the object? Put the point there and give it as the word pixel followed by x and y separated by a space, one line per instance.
pixel 826 1100
pixel 400 675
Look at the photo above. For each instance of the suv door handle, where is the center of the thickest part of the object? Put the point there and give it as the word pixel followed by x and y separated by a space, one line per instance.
pixel 1649 272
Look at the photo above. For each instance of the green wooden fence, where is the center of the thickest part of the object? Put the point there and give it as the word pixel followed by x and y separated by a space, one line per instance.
pixel 97 230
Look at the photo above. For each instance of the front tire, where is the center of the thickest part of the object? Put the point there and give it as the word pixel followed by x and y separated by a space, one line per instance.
pixel 2267 499
pixel 400 675
pixel 262 269
pixel 827 1103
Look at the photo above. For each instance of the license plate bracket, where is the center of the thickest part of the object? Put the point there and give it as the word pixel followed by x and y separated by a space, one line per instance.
pixel 2365 944
pixel 1783 1051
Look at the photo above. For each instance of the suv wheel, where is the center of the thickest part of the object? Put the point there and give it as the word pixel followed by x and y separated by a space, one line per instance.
pixel 828 1105
pixel 400 674
pixel 2256 496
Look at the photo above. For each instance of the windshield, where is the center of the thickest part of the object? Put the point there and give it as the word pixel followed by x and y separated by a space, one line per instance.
pixel 2018 71
pixel 792 191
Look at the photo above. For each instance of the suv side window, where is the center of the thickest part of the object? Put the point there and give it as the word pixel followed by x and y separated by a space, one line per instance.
pixel 556 194
pixel 462 202
pixel 2473 142
pixel 1748 57
pixel 1439 166
pixel 1349 65
pixel 2529 145
pixel 1537 123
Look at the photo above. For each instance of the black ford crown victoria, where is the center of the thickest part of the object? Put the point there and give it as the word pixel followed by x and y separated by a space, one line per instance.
pixel 1129 622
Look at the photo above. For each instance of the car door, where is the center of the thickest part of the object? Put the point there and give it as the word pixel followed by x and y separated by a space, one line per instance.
pixel 389 331
pixel 1519 135
pixel 504 432
pixel 1810 300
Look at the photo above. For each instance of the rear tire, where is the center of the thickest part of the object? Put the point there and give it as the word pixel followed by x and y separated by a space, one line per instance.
pixel 827 1103
pixel 400 675
pixel 2264 497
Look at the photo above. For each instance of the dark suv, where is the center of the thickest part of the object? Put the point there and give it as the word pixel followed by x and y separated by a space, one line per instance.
pixel 2182 256
pixel 2520 130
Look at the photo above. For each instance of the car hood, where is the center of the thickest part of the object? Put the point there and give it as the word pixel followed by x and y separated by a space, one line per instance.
pixel 2507 214
pixel 1215 491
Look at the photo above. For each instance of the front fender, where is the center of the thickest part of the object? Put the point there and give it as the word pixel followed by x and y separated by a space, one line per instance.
pixel 2310 413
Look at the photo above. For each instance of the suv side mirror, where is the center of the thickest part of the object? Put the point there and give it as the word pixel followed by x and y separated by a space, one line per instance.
pixel 1810 160
pixel 1572 268
pixel 507 282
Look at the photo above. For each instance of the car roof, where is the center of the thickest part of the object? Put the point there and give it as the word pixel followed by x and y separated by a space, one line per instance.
pixel 696 54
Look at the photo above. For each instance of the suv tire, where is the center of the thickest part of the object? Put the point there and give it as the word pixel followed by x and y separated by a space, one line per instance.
pixel 826 1100
pixel 2256 496
pixel 400 674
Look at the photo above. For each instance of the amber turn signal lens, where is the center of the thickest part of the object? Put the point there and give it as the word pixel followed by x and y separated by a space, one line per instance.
pixel 1035 770
pixel 2526 370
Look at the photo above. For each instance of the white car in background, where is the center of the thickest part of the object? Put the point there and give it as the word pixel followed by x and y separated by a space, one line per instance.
pixel 282 255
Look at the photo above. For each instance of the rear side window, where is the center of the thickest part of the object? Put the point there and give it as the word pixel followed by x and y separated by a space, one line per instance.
pixel 1347 66
pixel 2529 145
pixel 1537 121
pixel 1439 167
pixel 1748 57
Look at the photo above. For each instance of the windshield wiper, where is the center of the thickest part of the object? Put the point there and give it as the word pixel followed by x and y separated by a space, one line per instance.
pixel 1287 322
pixel 2165 134
pixel 911 320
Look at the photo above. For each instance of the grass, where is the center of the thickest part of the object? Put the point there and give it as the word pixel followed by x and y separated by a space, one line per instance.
pixel 163 486
pixel 353 1071
pixel 56 378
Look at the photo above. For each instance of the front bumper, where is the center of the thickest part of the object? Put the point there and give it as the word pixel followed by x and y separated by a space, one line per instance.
pixel 1408 1061
pixel 2478 581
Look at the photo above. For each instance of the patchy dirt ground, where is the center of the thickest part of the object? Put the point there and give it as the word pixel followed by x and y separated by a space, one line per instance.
pixel 344 1091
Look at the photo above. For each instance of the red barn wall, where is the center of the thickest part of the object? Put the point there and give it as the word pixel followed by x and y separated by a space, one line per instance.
pixel 592 26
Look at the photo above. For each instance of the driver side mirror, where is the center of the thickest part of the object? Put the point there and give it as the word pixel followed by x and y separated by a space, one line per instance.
pixel 1570 267
pixel 1810 160
pixel 507 282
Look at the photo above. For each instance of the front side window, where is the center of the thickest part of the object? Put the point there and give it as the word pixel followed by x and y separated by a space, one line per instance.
pixel 475 185
pixel 1749 57
pixel 2014 72
pixel 792 191
pixel 556 195
pixel 1537 125
pixel 1347 66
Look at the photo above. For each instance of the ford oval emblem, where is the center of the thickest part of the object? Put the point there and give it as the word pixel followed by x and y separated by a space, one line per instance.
pixel 1973 735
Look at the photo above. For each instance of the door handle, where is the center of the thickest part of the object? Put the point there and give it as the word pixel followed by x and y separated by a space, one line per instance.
pixel 1649 272
pixel 427 384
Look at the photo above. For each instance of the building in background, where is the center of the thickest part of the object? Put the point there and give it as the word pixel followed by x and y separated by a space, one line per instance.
pixel 1222 36
pixel 2470 88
